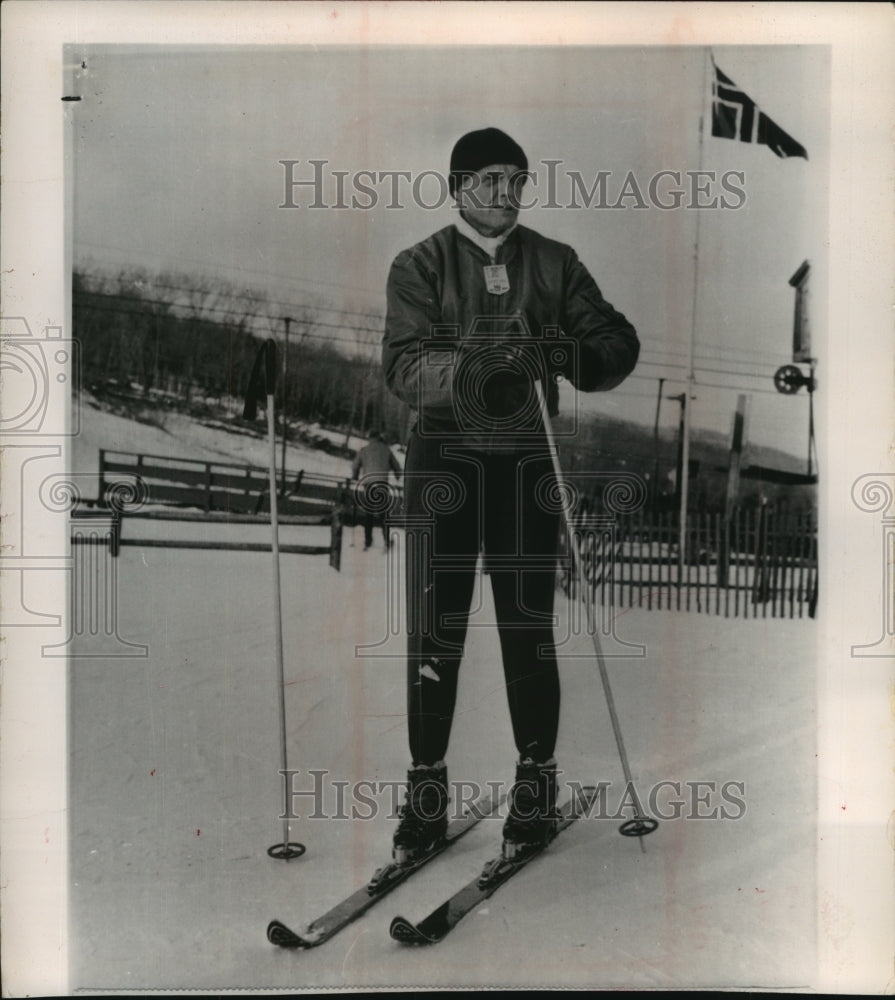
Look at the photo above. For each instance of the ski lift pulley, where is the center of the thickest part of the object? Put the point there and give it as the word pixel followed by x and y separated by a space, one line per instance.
pixel 788 379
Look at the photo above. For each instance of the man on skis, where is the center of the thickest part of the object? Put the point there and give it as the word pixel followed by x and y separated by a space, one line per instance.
pixel 477 313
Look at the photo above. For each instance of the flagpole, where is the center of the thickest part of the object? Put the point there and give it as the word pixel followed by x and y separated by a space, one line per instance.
pixel 685 458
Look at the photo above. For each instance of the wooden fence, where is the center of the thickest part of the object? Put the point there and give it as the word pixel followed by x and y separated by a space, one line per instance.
pixel 219 486
pixel 759 564
pixel 161 488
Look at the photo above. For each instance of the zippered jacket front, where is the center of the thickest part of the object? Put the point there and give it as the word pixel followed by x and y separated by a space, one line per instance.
pixel 466 335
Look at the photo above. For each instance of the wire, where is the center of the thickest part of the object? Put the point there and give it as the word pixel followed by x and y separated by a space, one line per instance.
pixel 362 344
pixel 226 311
pixel 232 267
pixel 329 339
pixel 648 356
pixel 722 353
pixel 287 306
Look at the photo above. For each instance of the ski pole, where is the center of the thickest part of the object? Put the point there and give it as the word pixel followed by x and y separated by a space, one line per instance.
pixel 263 383
pixel 641 824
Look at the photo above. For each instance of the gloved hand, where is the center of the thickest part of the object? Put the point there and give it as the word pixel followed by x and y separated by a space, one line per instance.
pixel 509 367
pixel 512 363
pixel 527 360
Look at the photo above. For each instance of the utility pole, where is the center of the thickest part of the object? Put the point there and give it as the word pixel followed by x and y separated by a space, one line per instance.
pixel 353 411
pixel 737 441
pixel 691 374
pixel 811 386
pixel 287 320
pixel 655 489
pixel 679 478
pixel 682 483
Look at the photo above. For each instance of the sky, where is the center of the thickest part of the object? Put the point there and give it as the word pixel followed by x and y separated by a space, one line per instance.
pixel 177 169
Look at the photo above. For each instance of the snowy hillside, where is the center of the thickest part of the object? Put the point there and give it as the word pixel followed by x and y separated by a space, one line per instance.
pixel 175 793
pixel 177 435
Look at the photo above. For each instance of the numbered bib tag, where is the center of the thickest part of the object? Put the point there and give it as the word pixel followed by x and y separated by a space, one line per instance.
pixel 496 280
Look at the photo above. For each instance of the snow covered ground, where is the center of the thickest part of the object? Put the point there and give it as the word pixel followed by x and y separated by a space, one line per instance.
pixel 176 435
pixel 175 794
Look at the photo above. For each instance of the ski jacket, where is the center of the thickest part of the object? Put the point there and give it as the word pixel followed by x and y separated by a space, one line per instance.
pixel 443 325
pixel 373 463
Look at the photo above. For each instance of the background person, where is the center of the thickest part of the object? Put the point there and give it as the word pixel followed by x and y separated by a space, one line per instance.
pixel 370 470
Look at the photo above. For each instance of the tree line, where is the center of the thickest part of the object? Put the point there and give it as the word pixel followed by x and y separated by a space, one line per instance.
pixel 195 344
pixel 191 344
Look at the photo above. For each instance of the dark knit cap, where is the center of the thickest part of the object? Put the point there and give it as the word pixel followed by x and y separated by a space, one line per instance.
pixel 482 148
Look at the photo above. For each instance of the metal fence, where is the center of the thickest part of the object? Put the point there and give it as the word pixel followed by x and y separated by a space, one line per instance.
pixel 757 564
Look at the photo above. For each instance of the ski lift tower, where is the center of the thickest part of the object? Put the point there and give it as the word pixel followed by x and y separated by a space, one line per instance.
pixel 790 378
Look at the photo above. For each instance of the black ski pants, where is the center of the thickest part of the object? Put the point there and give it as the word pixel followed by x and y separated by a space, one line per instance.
pixel 459 502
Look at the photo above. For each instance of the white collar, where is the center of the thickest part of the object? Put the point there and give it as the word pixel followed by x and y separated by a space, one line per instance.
pixel 489 244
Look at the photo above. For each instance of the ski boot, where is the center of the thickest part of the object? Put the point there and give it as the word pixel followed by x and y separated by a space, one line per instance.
pixel 422 820
pixel 532 818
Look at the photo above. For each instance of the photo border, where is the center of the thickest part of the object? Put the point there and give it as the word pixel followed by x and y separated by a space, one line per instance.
pixel 855 411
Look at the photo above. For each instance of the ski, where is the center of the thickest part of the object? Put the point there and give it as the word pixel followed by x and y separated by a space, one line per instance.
pixel 384 879
pixel 497 871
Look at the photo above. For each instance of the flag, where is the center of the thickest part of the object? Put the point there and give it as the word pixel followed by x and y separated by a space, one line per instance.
pixel 263 379
pixel 736 116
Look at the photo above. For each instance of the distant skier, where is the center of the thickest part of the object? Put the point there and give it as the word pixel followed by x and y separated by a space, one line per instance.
pixel 476 313
pixel 371 471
